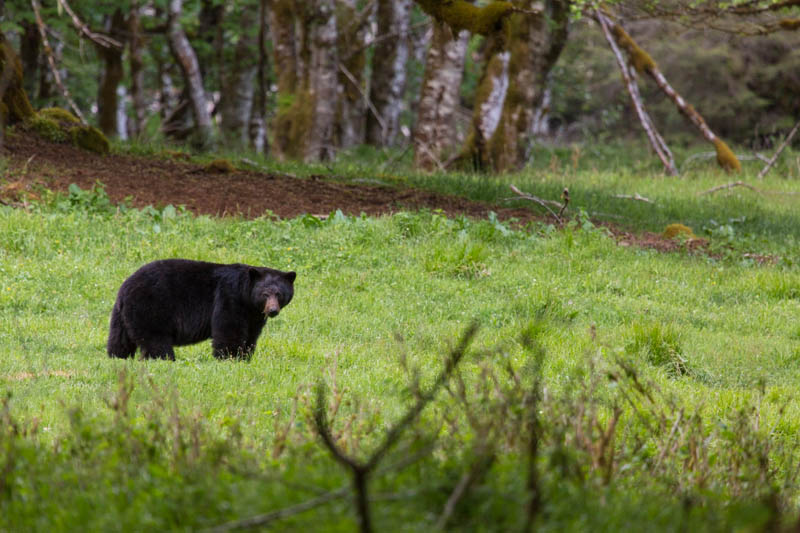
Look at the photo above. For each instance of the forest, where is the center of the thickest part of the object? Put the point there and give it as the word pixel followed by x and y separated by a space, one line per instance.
pixel 547 260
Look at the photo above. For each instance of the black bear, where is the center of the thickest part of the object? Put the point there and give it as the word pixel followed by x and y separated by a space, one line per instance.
pixel 174 302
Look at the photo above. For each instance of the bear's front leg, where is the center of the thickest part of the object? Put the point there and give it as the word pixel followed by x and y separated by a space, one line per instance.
pixel 230 340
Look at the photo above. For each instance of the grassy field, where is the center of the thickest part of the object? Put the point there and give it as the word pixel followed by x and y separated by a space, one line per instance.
pixel 659 387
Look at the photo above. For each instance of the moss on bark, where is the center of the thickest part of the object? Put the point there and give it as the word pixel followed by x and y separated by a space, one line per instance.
pixel 640 59
pixel 462 15
pixel 790 24
pixel 725 156
pixel 17 106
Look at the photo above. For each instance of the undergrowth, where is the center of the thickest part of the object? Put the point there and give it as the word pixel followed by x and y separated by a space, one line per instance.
pixel 606 387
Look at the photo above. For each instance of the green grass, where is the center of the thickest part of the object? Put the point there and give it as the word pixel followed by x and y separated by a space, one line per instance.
pixel 378 301
pixel 738 219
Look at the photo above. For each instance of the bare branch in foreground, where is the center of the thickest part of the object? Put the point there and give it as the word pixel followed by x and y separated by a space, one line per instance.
pixel 362 470
pixel 264 519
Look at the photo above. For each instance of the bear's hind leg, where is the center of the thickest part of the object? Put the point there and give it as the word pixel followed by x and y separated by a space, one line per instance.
pixel 119 342
pixel 158 349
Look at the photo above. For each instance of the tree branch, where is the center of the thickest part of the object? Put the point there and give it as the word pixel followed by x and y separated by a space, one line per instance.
pixel 52 62
pixel 780 149
pixel 102 40
pixel 361 470
pixel 628 75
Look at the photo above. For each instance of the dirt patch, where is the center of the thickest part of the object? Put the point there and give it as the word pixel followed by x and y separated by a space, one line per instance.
pixel 171 180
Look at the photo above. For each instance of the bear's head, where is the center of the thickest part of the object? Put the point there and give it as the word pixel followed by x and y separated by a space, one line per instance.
pixel 272 290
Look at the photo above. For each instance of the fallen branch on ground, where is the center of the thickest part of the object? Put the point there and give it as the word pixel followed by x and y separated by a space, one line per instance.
pixel 729 186
pixel 544 203
pixel 635 196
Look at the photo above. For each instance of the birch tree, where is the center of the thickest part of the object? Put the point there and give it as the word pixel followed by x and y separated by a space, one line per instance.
pixel 187 60
pixel 388 86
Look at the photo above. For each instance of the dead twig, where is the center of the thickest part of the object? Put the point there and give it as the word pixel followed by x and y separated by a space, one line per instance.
pixel 478 468
pixel 266 518
pixel 634 196
pixel 544 203
pixel 729 186
pixel 365 96
pixel 780 149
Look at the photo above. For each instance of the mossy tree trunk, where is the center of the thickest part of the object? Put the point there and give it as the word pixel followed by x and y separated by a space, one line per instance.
pixel 502 130
pixel 258 113
pixel 307 101
pixel 15 104
pixel 388 82
pixel 351 37
pixel 107 97
pixel 190 68
pixel 285 57
pixel 439 97
pixel 323 83
pixel 135 47
pixel 236 101
pixel 30 50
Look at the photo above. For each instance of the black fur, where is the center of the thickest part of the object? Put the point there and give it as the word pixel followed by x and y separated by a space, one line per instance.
pixel 175 302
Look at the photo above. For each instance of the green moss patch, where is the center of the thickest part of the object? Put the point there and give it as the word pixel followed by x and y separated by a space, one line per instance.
pixel 90 138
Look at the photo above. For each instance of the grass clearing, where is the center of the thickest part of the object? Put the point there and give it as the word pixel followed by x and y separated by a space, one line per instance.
pixel 378 302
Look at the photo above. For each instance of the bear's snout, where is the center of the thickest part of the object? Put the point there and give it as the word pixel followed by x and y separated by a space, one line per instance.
pixel 272 307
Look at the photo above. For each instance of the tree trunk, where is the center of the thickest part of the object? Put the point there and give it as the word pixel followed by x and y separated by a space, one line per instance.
pixel 187 60
pixel 258 112
pixel 439 97
pixel 14 97
pixel 29 52
pixel 285 51
pixel 236 101
pixel 107 100
pixel 535 43
pixel 210 19
pixel 136 44
pixel 389 71
pixel 352 60
pixel 323 83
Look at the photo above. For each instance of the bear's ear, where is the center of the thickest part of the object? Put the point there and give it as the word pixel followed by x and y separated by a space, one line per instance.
pixel 290 276
pixel 254 274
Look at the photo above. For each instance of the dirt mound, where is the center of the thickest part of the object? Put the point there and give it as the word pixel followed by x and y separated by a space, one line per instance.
pixel 161 181
pixel 169 180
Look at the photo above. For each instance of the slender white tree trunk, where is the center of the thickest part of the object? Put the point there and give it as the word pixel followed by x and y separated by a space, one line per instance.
pixel 389 71
pixel 187 60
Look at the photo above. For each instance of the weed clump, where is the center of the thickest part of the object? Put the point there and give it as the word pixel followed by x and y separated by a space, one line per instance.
pixel 661 347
